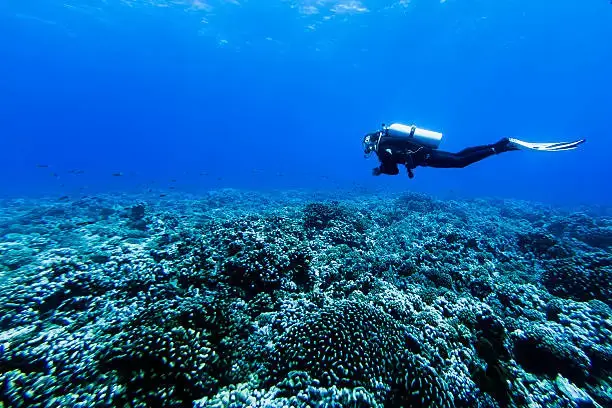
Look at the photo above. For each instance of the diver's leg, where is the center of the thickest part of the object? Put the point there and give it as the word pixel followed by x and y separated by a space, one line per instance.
pixel 441 159
pixel 470 150
pixel 501 146
pixel 465 157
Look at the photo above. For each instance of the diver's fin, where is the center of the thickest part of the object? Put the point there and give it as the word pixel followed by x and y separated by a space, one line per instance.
pixel 547 147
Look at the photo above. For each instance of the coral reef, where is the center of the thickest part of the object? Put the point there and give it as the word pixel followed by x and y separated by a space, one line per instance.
pixel 245 299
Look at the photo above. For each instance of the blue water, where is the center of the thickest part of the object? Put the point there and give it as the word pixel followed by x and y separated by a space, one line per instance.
pixel 197 95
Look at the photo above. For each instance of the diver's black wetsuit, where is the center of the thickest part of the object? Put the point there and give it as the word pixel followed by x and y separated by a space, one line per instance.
pixel 393 151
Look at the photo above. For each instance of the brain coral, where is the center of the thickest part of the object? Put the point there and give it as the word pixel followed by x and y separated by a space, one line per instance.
pixel 353 344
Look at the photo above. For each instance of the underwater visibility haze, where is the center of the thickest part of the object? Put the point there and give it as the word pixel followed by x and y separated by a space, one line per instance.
pixel 279 94
pixel 187 218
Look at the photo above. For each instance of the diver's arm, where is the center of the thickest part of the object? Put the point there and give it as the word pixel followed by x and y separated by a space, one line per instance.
pixel 387 164
pixel 389 168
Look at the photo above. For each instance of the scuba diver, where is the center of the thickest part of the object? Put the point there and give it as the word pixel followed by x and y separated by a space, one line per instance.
pixel 411 146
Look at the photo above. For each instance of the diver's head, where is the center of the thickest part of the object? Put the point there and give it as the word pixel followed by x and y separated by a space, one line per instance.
pixel 370 142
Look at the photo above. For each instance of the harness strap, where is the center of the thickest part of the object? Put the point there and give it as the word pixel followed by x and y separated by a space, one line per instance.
pixel 409 156
pixel 412 130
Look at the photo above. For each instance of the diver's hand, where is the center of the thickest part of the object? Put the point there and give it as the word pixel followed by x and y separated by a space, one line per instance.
pixel 376 171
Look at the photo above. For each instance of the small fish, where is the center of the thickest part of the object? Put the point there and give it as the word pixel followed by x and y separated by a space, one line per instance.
pixel 163 195
pixel 63 198
pixel 117 174
pixel 42 166
pixel 83 223
pixel 76 171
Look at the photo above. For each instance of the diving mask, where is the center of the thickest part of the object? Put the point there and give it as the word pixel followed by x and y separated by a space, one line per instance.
pixel 370 142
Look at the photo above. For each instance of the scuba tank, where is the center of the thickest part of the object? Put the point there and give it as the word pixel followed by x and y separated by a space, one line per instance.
pixel 419 136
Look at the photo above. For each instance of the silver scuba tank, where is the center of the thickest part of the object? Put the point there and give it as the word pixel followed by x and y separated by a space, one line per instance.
pixel 419 136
